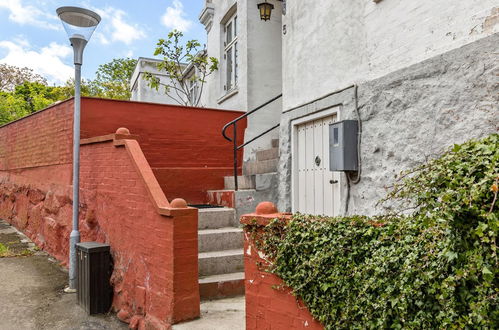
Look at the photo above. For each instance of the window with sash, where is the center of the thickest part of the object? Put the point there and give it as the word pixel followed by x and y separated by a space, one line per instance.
pixel 230 54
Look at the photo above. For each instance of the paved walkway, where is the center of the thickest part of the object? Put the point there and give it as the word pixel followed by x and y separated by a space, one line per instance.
pixel 223 314
pixel 32 297
pixel 31 290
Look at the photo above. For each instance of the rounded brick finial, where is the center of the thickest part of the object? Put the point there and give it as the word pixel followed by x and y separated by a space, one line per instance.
pixel 123 131
pixel 178 203
pixel 266 208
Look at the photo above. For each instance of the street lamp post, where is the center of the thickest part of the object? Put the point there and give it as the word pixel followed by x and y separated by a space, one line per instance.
pixel 79 24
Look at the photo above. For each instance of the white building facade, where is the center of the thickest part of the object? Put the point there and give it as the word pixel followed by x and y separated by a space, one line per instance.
pixel 418 76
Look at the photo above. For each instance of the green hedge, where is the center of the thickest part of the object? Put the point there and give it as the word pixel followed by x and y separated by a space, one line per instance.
pixel 436 268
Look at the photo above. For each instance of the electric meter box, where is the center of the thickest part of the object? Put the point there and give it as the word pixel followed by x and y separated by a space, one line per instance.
pixel 343 137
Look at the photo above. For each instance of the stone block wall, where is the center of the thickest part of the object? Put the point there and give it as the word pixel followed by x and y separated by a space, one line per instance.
pixel 269 305
pixel 407 116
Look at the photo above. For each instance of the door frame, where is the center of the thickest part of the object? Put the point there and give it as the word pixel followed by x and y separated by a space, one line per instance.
pixel 334 110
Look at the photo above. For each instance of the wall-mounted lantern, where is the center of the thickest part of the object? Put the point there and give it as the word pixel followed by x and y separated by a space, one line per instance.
pixel 265 9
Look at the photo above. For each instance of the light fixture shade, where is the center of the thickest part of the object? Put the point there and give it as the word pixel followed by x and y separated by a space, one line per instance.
pixel 265 10
pixel 78 22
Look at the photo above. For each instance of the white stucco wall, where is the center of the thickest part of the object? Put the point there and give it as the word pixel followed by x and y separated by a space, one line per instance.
pixel 260 67
pixel 141 91
pixel 332 44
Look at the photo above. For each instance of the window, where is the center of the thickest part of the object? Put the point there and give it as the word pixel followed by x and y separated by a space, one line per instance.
pixel 230 54
pixel 193 90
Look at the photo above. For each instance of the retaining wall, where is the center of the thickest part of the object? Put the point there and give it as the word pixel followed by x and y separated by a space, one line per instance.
pixel 153 242
pixel 183 145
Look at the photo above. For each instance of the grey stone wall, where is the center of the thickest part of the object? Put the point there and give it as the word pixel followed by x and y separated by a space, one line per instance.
pixel 409 116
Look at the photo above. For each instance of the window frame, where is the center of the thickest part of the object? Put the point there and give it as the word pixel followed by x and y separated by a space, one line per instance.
pixel 231 53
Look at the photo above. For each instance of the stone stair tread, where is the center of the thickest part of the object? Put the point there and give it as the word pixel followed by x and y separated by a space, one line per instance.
pixel 214 218
pixel 220 230
pixel 267 154
pixel 222 253
pixel 260 166
pixel 222 278
pixel 243 182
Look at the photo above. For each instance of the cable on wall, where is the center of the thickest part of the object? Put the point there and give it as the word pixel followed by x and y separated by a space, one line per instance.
pixel 354 177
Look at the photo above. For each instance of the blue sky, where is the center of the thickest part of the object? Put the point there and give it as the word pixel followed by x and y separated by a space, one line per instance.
pixel 31 34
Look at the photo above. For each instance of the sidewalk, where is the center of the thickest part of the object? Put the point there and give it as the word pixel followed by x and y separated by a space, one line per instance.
pixel 31 290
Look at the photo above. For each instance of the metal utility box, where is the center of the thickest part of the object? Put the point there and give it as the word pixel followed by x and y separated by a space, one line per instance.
pixel 343 137
pixel 94 272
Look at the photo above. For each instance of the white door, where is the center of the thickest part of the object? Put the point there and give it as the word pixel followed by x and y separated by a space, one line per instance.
pixel 316 189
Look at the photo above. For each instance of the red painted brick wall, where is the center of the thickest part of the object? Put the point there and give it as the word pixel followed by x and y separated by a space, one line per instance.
pixel 183 145
pixel 44 138
pixel 155 276
pixel 268 305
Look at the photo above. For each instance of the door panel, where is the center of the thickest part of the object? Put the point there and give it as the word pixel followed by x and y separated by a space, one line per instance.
pixel 314 193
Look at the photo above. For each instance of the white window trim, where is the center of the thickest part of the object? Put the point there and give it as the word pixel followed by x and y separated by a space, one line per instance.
pixel 231 46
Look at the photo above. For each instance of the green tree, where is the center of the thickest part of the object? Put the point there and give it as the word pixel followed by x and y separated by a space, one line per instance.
pixel 113 79
pixel 11 76
pixel 178 61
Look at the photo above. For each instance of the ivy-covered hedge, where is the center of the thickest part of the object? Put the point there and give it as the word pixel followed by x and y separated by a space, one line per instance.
pixel 436 268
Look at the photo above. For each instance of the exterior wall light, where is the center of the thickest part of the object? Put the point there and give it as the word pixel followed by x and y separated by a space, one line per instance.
pixel 79 24
pixel 265 9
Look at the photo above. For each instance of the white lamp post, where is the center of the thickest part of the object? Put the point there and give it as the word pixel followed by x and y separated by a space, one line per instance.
pixel 79 24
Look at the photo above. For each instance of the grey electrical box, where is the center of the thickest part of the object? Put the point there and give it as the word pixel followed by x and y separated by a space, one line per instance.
pixel 343 146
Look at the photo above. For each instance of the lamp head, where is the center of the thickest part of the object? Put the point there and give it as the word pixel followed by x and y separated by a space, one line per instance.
pixel 79 24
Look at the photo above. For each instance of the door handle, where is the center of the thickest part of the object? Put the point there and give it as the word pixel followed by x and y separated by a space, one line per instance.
pixel 333 181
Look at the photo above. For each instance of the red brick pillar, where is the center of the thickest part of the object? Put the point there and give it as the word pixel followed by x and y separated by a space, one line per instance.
pixel 185 262
pixel 266 306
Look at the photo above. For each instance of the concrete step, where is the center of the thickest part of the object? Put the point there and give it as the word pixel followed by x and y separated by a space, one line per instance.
pixel 275 143
pixel 267 154
pixel 220 262
pixel 216 218
pixel 260 166
pixel 221 286
pixel 243 182
pixel 220 239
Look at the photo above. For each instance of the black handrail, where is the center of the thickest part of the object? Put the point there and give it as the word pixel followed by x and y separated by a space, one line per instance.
pixel 234 134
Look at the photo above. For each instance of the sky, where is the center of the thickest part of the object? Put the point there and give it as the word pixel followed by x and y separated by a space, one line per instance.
pixel 31 34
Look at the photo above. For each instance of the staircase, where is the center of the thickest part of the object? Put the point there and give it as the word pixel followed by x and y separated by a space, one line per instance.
pixel 255 185
pixel 220 259
pixel 221 265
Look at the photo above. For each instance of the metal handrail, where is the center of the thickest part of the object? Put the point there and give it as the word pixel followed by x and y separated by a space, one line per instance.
pixel 234 134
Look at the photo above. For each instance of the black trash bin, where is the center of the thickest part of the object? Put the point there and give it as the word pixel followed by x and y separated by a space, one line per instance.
pixel 94 272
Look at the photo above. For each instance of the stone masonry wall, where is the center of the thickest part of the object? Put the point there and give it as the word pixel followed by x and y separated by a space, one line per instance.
pixel 407 117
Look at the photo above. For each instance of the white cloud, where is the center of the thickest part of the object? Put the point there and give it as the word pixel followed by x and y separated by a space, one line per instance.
pixel 115 28
pixel 174 17
pixel 29 15
pixel 46 62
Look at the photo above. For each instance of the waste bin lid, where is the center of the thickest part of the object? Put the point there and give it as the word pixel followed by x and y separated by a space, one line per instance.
pixel 91 247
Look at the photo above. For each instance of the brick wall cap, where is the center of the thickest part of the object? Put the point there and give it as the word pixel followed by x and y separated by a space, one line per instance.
pixel 123 131
pixel 263 220
pixel 178 203
pixel 107 138
pixel 266 208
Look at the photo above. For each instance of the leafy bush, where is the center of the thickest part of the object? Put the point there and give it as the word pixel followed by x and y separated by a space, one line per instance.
pixel 436 268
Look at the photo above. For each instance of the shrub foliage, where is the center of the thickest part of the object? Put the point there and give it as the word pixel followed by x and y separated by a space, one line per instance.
pixel 435 268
